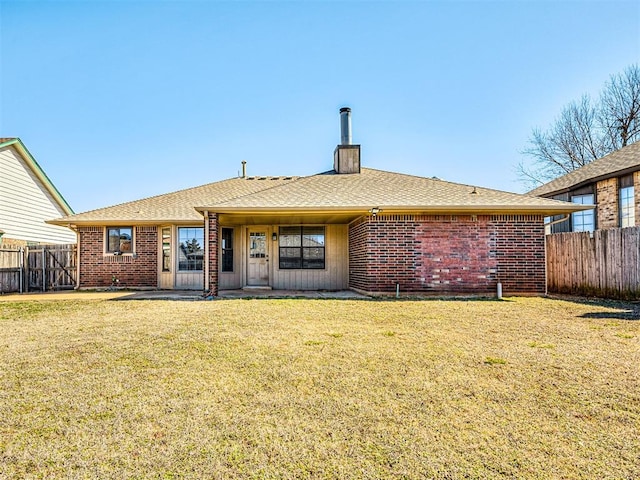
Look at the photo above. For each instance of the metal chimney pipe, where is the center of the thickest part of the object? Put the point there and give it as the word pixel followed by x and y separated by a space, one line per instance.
pixel 345 126
pixel 244 168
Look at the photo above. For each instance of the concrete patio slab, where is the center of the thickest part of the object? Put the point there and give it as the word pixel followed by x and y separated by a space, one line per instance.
pixel 263 293
pixel 182 295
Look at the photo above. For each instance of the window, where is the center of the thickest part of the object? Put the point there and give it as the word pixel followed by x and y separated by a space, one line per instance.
pixel 120 240
pixel 301 247
pixel 227 249
pixel 166 249
pixel 627 203
pixel 190 249
pixel 583 221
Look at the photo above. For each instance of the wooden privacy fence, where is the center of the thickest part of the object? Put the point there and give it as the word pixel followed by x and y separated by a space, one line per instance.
pixel 11 269
pixel 604 263
pixel 39 268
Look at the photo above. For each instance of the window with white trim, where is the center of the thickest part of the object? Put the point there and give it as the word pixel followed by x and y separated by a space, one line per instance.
pixel 627 202
pixel 190 249
pixel 119 240
pixel 583 221
pixel 166 249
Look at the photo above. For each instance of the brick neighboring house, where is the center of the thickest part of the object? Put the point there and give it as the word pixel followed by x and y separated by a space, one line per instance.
pixel 27 199
pixel 347 228
pixel 611 183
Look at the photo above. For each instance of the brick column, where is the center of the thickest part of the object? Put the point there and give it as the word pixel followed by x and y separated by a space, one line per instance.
pixel 212 240
pixel 607 199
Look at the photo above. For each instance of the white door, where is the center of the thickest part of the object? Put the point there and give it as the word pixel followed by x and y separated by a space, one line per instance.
pixel 258 261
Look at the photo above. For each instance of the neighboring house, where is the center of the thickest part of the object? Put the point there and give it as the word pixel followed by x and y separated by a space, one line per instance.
pixel 611 183
pixel 348 228
pixel 27 199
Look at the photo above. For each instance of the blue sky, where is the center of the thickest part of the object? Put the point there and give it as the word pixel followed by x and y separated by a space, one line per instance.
pixel 121 100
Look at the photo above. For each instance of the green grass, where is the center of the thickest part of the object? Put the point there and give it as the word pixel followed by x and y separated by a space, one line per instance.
pixel 522 388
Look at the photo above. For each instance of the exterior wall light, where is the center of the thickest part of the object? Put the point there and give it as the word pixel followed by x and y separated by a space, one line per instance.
pixel 274 236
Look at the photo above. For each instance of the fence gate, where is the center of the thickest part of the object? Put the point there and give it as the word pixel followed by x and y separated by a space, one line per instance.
pixel 51 267
pixel 39 268
pixel 11 269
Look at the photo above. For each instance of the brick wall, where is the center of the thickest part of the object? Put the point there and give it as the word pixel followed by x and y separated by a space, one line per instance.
pixel 447 254
pixel 98 268
pixel 212 239
pixel 607 199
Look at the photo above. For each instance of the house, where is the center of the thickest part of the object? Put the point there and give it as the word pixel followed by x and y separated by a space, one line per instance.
pixel 611 183
pixel 27 199
pixel 351 227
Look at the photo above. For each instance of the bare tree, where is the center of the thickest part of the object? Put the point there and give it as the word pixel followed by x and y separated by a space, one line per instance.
pixel 573 140
pixel 619 111
pixel 585 131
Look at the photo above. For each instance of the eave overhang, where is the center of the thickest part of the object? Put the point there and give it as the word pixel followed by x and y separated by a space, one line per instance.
pixel 590 181
pixel 561 208
pixel 323 214
pixel 69 223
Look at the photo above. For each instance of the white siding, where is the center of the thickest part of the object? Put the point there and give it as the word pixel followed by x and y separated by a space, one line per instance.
pixel 25 204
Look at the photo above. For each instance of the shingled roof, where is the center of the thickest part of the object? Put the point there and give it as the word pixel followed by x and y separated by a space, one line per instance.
pixel 324 192
pixel 620 162
pixel 388 190
pixel 175 207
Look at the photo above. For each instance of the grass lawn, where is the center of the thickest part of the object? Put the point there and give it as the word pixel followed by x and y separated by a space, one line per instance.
pixel 520 388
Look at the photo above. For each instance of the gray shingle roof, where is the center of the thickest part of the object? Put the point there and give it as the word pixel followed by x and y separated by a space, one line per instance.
pixel 393 192
pixel 614 164
pixel 388 190
pixel 175 207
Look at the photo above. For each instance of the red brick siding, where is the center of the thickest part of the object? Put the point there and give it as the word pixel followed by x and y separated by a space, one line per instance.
pixel 520 251
pixel 212 239
pixel 447 254
pixel 98 269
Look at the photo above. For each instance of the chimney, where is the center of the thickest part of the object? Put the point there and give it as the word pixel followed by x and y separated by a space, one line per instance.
pixel 244 168
pixel 346 157
pixel 345 126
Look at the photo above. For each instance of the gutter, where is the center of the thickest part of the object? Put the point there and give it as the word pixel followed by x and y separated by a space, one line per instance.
pixel 560 220
pixel 564 208
pixel 584 183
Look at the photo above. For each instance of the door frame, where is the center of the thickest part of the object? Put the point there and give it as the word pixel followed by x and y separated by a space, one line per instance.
pixel 247 238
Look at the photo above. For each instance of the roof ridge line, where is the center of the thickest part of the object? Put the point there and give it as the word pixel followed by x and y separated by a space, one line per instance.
pixel 293 178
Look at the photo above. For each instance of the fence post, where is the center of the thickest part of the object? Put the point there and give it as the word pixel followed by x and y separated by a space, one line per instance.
pixel 44 271
pixel 21 268
pixel 26 266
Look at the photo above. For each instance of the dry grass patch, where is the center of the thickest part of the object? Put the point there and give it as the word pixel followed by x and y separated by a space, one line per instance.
pixel 525 388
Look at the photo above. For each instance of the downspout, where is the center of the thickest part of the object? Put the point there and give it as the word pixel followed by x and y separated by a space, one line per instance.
pixel 206 251
pixel 77 287
pixel 546 269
